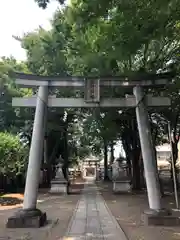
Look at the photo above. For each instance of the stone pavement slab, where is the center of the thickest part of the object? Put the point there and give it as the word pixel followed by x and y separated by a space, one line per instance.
pixel 92 219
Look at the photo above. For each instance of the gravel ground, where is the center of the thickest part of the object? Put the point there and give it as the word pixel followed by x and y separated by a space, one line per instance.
pixel 59 210
pixel 127 209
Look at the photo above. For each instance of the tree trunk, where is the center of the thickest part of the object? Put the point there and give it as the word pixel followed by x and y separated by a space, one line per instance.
pixel 127 150
pixel 142 178
pixel 112 151
pixel 136 161
pixel 154 136
pixel 136 179
pixel 65 154
pixel 176 139
pixel 106 177
pixel 175 156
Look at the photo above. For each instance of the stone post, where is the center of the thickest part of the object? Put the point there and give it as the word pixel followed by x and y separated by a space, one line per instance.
pixel 29 216
pixel 150 167
pixel 36 151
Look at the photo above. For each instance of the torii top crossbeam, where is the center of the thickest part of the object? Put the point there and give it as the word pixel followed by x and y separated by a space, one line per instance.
pixel 145 80
pixel 91 87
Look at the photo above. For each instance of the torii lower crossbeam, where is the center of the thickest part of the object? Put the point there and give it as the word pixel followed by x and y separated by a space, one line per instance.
pixel 80 103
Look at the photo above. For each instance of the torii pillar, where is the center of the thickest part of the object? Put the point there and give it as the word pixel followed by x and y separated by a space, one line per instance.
pixel 155 212
pixel 29 215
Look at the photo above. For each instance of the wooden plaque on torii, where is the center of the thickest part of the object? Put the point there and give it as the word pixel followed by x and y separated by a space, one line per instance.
pixel 92 90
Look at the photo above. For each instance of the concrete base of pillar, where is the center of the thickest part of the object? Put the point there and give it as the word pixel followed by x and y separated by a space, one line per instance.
pixel 121 186
pixel 59 187
pixel 27 219
pixel 163 217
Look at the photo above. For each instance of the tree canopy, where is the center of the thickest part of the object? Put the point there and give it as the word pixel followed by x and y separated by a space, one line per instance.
pixel 93 38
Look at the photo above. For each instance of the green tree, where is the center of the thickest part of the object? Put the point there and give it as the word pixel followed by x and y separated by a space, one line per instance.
pixel 13 155
pixel 111 38
pixel 9 116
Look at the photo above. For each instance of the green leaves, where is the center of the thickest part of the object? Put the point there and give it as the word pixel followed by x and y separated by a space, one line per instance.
pixel 13 155
pixel 108 37
pixel 43 3
pixel 8 90
pixel 45 52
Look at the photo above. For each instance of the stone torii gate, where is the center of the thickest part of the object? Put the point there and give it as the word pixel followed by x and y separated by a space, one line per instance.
pixel 29 215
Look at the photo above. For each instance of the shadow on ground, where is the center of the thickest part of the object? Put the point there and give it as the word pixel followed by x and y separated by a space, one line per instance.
pixel 127 209
pixel 59 210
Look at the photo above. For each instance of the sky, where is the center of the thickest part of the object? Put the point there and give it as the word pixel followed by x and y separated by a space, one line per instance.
pixel 18 17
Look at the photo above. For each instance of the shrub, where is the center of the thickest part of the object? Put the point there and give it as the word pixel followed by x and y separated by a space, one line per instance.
pixel 13 155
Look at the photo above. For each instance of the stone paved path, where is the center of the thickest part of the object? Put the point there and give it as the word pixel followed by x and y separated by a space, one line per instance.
pixel 92 219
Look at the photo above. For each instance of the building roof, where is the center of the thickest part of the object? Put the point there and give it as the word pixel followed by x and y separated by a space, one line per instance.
pixel 163 148
pixel 91 158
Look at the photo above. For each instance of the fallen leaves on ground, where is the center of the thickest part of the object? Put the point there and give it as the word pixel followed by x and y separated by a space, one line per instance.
pixel 10 201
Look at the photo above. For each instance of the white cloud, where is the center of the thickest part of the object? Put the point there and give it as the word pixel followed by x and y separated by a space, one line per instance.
pixel 18 17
